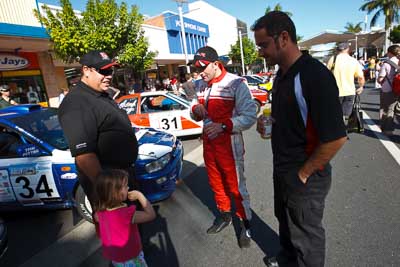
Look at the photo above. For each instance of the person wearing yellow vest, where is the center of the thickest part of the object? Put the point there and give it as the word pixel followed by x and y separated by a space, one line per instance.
pixel 345 68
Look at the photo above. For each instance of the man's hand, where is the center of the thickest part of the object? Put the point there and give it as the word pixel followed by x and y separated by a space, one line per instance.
pixel 359 90
pixel 213 129
pixel 200 112
pixel 303 176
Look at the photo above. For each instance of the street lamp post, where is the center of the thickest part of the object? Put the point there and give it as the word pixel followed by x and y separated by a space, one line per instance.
pixel 183 35
pixel 241 52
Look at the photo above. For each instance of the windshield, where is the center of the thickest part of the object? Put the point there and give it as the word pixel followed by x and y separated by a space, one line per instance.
pixel 178 98
pixel 45 126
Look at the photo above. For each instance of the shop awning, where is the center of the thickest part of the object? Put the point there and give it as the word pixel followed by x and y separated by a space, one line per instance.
pixel 375 39
pixel 25 44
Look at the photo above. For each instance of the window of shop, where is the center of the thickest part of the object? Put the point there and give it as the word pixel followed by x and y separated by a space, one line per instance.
pixel 26 87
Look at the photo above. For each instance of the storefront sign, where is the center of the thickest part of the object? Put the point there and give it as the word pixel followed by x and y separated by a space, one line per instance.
pixel 172 23
pixel 12 62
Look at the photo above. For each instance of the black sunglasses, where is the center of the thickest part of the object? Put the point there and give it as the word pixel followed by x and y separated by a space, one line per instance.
pixel 105 72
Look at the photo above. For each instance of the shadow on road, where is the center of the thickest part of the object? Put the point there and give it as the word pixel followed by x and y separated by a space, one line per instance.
pixel 157 244
pixel 263 235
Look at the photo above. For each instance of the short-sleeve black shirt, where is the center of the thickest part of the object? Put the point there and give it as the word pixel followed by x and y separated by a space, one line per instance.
pixel 307 112
pixel 93 123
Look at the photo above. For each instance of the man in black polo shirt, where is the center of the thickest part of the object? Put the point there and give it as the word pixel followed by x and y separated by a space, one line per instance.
pixel 307 132
pixel 99 134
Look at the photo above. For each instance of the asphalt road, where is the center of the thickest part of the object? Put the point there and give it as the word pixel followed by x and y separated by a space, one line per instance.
pixel 361 215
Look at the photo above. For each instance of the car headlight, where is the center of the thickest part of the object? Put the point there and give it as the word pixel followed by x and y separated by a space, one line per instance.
pixel 158 164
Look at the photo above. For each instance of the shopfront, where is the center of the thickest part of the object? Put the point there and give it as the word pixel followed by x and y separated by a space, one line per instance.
pixel 22 74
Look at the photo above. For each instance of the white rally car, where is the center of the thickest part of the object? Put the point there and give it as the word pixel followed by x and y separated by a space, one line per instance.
pixel 161 110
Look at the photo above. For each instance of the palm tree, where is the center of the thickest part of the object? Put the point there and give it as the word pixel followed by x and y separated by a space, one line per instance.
pixel 353 28
pixel 389 8
pixel 277 7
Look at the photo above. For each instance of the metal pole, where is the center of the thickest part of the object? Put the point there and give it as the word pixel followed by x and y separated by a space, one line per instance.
pixel 356 47
pixel 241 51
pixel 183 35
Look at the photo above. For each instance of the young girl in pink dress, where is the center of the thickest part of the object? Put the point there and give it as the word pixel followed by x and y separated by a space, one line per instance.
pixel 118 222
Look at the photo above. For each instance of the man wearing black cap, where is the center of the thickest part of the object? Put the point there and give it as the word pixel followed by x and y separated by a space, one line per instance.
pixel 99 134
pixel 5 99
pixel 226 107
pixel 345 68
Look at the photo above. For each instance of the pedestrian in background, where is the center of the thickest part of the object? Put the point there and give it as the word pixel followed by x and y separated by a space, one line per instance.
pixel 5 98
pixel 226 108
pixel 118 227
pixel 189 87
pixel 99 133
pixel 388 99
pixel 345 69
pixel 64 92
pixel 307 131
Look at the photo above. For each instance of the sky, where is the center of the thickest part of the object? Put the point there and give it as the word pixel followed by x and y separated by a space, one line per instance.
pixel 311 17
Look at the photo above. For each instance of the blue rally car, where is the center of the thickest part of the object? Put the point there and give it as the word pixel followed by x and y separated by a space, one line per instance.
pixel 37 170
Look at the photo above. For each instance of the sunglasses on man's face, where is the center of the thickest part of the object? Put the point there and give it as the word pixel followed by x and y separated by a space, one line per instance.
pixel 105 72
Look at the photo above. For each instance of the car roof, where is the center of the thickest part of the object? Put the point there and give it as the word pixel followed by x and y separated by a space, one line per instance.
pixel 18 110
pixel 164 92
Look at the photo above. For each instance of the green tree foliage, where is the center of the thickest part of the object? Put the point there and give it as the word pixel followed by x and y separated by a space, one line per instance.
pixel 353 28
pixel 103 26
pixel 394 36
pixel 388 8
pixel 277 7
pixel 250 53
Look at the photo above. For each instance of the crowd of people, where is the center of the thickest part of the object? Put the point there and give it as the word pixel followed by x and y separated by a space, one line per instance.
pixel 306 134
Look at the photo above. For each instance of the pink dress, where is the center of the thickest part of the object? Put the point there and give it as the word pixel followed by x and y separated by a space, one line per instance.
pixel 120 238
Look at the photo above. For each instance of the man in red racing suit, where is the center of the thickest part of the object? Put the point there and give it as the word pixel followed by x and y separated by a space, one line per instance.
pixel 225 105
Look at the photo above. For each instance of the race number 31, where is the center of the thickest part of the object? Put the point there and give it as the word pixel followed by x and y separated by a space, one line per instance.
pixel 170 123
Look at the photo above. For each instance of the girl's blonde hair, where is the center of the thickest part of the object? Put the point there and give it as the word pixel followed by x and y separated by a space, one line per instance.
pixel 108 185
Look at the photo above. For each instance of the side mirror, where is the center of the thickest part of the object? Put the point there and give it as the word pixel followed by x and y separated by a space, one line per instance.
pixel 28 150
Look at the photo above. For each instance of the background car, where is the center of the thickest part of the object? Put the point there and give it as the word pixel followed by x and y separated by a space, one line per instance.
pixel 255 82
pixel 161 110
pixel 38 171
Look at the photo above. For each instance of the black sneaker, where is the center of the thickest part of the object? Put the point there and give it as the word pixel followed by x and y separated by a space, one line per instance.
pixel 272 262
pixel 220 223
pixel 244 238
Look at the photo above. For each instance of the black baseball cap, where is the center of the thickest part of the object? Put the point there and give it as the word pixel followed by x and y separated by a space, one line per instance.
pixel 204 56
pixel 97 59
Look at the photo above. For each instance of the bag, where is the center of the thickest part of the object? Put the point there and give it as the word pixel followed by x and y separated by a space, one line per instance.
pixel 355 122
pixel 395 83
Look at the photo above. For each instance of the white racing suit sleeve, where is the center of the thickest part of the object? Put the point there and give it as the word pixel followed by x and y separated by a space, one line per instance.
pixel 245 113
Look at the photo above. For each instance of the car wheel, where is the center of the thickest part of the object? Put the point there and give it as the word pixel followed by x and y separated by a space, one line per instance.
pixel 83 205
pixel 270 97
pixel 258 106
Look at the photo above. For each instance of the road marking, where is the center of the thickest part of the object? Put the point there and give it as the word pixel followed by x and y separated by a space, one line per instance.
pixel 80 243
pixel 387 143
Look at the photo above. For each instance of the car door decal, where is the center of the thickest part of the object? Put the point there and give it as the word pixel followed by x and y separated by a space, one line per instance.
pixel 33 182
pixel 6 192
pixel 167 121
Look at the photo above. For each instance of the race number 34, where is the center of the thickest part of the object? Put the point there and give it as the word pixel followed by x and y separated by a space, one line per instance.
pixel 41 187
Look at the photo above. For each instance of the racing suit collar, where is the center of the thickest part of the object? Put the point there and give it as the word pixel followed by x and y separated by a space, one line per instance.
pixel 220 77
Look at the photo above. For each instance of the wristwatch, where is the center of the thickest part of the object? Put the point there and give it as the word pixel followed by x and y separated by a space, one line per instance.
pixel 223 126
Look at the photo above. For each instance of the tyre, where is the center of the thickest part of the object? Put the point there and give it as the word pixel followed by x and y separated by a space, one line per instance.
pixel 258 106
pixel 83 205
